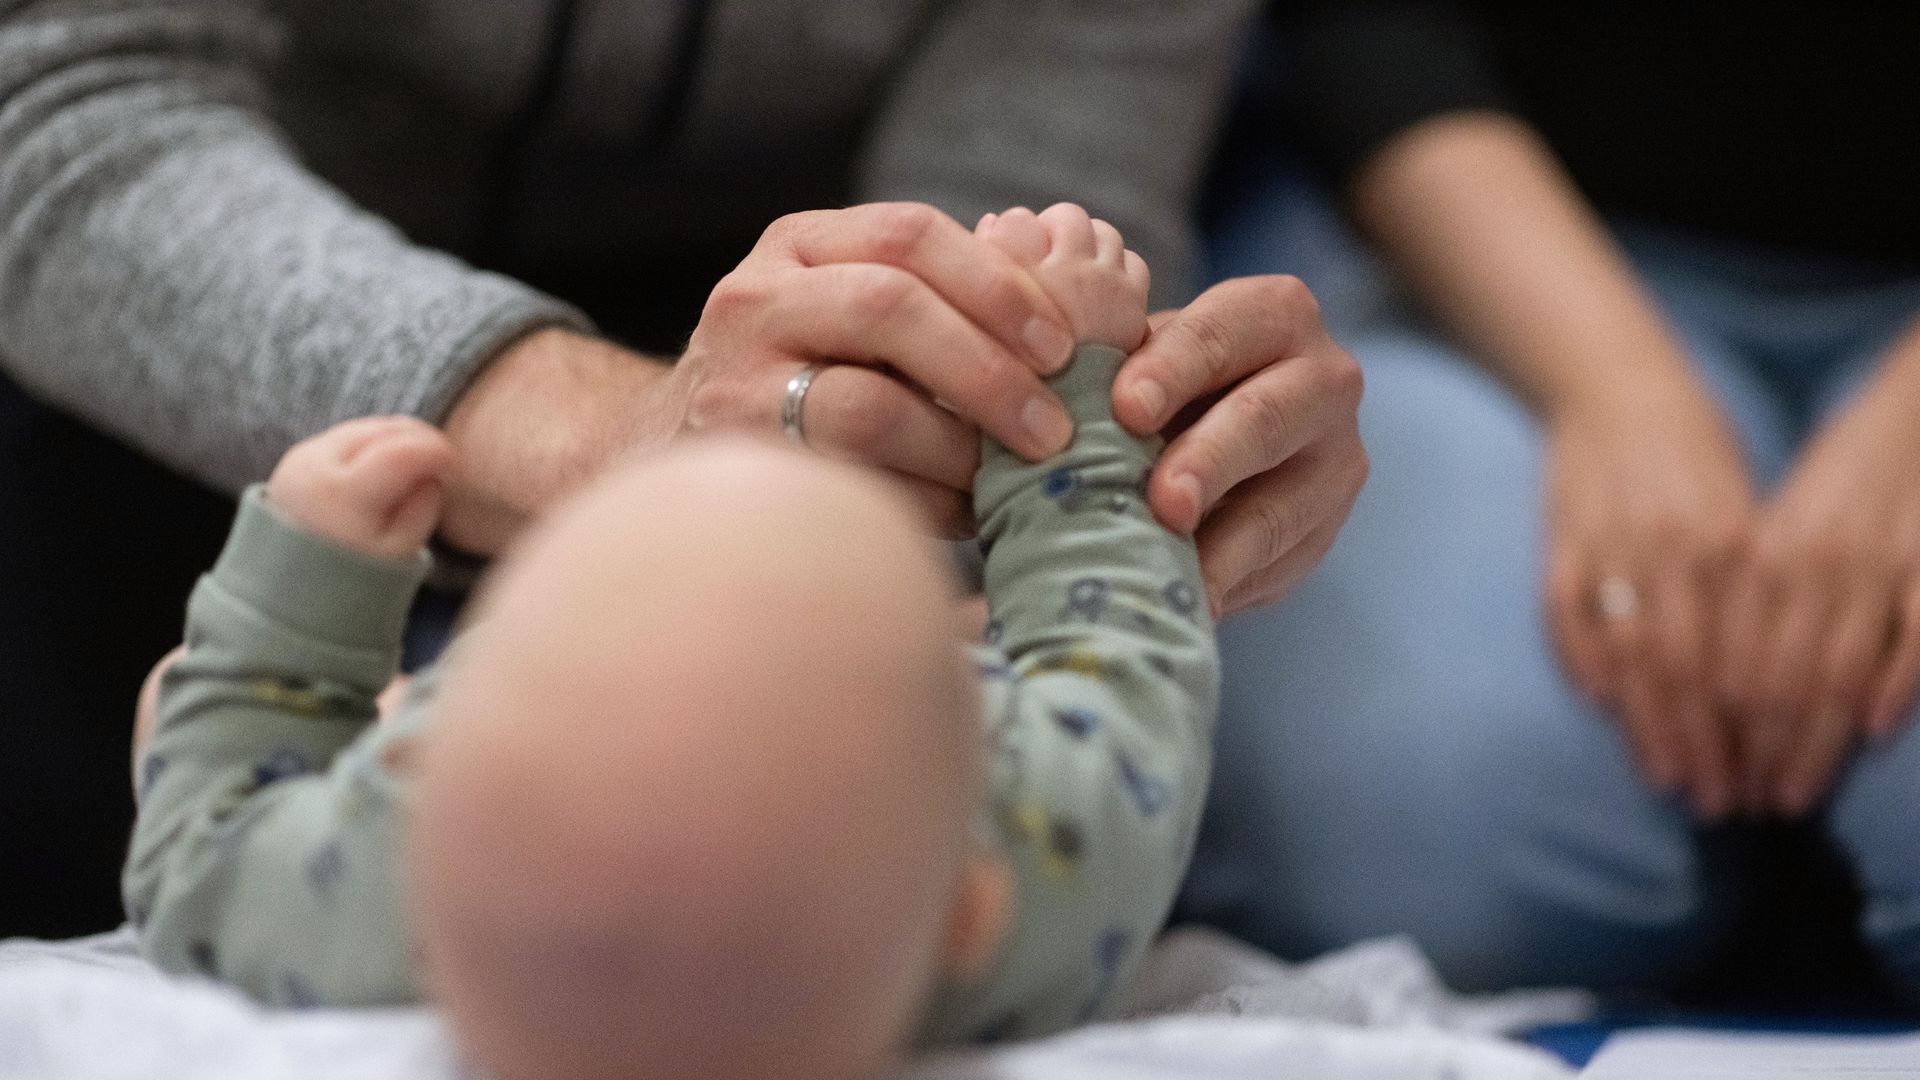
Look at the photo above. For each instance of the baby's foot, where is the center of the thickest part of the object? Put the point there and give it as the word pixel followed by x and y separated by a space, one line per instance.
pixel 372 485
pixel 1083 265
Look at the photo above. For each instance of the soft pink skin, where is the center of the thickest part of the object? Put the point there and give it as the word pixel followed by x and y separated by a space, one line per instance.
pixel 1258 402
pixel 696 801
pixel 373 485
pixel 1083 265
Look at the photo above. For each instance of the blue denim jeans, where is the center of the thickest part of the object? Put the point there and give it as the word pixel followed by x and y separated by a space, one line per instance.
pixel 1400 750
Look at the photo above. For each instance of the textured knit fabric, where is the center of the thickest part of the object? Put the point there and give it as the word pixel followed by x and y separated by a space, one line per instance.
pixel 265 849
pixel 221 220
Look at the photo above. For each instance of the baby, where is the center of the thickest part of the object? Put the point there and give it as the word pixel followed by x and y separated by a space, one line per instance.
pixel 705 788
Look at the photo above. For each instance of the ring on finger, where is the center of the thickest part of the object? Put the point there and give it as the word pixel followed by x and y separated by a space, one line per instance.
pixel 793 407
pixel 1616 598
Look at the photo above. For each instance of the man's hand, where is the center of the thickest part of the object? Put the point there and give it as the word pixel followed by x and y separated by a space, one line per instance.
pixel 1821 637
pixel 929 333
pixel 874 292
pixel 1261 406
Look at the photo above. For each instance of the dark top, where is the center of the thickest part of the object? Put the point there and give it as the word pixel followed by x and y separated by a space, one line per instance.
pixel 1789 123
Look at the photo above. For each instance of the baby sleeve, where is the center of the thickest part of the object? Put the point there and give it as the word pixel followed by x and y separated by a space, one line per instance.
pixel 262 855
pixel 1101 681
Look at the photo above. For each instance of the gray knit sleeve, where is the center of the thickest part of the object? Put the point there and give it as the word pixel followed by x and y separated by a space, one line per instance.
pixel 1113 104
pixel 171 273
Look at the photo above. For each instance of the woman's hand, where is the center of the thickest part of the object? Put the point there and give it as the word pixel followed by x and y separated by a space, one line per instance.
pixel 1648 500
pixel 1821 637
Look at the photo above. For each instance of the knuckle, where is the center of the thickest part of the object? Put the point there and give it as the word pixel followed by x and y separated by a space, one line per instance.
pixel 788 224
pixel 1270 416
pixel 859 416
pixel 900 228
pixel 1290 295
pixel 1347 382
pixel 734 295
pixel 1210 340
pixel 879 293
pixel 987 387
pixel 713 404
pixel 1279 528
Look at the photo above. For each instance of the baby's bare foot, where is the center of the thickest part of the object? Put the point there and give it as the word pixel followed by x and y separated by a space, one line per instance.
pixel 372 485
pixel 1083 265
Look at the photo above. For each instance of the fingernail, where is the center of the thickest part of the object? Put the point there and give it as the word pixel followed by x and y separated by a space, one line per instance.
pixel 1051 346
pixel 1049 425
pixel 1152 399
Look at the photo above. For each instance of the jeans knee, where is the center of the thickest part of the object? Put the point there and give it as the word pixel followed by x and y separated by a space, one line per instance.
pixel 1514 842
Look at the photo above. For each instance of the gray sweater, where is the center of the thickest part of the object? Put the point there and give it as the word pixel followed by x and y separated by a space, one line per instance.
pixel 221 220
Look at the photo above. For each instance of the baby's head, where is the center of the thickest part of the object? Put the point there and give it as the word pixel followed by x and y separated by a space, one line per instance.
pixel 698 797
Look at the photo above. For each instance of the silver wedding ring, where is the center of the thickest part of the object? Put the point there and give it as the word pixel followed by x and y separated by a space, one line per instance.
pixel 793 407
pixel 1617 598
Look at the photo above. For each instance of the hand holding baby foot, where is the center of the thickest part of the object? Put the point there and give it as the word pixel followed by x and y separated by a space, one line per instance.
pixel 1084 267
pixel 373 485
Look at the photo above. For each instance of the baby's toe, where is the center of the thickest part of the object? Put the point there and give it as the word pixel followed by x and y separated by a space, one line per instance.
pixel 1071 230
pixel 1108 246
pixel 1019 233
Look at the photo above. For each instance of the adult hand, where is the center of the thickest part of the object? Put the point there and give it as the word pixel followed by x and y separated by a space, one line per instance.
pixel 1261 406
pixel 1648 500
pixel 884 287
pixel 1822 632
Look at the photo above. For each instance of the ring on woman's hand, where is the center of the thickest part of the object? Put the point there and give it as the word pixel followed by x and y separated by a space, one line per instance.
pixel 1616 598
pixel 793 407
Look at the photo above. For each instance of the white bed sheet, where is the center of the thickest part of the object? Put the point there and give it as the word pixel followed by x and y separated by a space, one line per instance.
pixel 1206 1007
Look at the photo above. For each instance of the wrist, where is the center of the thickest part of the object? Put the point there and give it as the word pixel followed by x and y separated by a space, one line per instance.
pixel 540 419
pixel 1609 392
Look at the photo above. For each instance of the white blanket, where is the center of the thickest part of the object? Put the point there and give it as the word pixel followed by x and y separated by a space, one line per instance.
pixel 1207 1007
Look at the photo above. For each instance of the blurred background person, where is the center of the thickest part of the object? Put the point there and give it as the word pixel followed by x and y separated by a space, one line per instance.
pixel 227 225
pixel 1641 554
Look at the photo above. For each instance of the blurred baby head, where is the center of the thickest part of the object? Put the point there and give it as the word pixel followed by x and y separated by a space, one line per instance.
pixel 698 794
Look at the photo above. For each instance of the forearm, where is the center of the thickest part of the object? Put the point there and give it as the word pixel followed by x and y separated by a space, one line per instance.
pixel 170 272
pixel 1104 710
pixel 244 817
pixel 1493 236
pixel 1895 387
